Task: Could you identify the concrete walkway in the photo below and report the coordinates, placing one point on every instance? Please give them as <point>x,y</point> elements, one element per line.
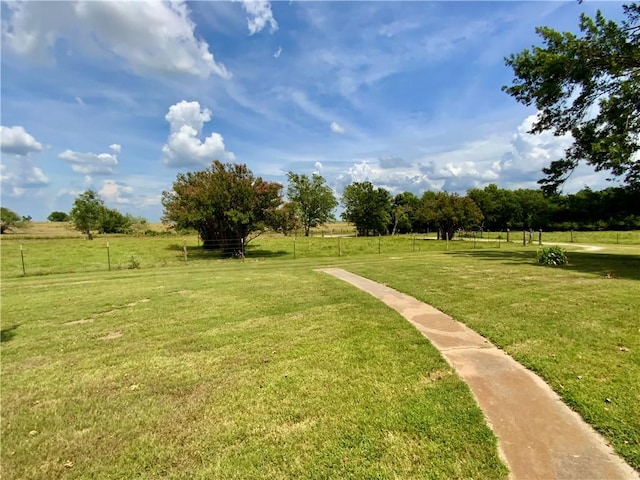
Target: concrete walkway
<point>539,437</point>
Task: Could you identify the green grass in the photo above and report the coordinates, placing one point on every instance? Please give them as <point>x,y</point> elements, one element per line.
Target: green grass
<point>244,370</point>
<point>70,255</point>
<point>577,325</point>
<point>596,237</point>
<point>201,382</point>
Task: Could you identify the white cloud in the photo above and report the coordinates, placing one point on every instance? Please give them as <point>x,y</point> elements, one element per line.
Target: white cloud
<point>115,192</point>
<point>395,180</point>
<point>184,146</point>
<point>278,52</point>
<point>337,128</point>
<point>35,178</point>
<point>528,153</point>
<point>90,163</point>
<point>318,166</point>
<point>17,141</point>
<point>67,192</point>
<point>115,147</point>
<point>259,15</point>
<point>25,177</point>
<point>149,36</point>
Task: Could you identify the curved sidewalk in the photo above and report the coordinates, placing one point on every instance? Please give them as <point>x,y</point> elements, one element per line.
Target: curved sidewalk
<point>539,437</point>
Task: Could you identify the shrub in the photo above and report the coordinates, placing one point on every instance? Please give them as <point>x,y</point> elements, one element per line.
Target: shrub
<point>552,256</point>
<point>132,262</point>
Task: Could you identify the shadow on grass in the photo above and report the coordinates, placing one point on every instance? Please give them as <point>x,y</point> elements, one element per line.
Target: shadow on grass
<point>260,253</point>
<point>607,265</point>
<point>8,333</point>
<point>199,253</point>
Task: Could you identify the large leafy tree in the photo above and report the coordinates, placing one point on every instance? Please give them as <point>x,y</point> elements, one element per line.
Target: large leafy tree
<point>314,199</point>
<point>58,217</point>
<point>587,85</point>
<point>87,212</point>
<point>368,208</point>
<point>449,212</point>
<point>225,204</point>
<point>403,212</point>
<point>534,208</point>
<point>8,219</point>
<point>500,207</point>
<point>285,219</point>
<point>112,221</point>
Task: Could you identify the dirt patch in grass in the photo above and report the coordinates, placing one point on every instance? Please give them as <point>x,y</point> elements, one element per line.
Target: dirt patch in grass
<point>79,322</point>
<point>111,336</point>
<point>133,304</point>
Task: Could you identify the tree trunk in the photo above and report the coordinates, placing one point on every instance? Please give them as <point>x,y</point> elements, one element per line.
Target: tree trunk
<point>228,246</point>
<point>208,244</point>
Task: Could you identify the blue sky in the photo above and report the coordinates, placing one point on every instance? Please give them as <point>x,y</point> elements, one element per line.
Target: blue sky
<point>121,96</point>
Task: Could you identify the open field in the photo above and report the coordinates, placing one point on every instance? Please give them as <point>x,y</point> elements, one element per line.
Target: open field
<point>227,368</point>
<point>254,370</point>
<point>629,237</point>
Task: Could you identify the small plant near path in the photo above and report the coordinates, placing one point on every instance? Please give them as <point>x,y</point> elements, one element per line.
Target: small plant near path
<point>573,326</point>
<point>553,256</point>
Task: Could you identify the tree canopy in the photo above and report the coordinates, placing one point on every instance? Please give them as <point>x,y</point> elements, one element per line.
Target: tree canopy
<point>8,219</point>
<point>368,208</point>
<point>587,85</point>
<point>90,214</point>
<point>403,212</point>
<point>86,212</point>
<point>449,212</point>
<point>225,204</point>
<point>58,217</point>
<point>314,199</point>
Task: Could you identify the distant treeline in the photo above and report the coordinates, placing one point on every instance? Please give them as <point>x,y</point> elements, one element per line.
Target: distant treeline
<point>614,208</point>
<point>610,209</point>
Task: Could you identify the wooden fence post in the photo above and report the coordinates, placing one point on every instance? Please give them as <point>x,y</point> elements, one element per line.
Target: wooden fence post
<point>24,272</point>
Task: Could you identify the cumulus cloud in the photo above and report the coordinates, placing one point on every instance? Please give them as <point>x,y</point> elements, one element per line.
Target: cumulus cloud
<point>148,36</point>
<point>21,179</point>
<point>17,141</point>
<point>184,146</point>
<point>259,14</point>
<point>90,163</point>
<point>115,192</point>
<point>336,128</point>
<point>460,176</point>
<point>115,147</point>
<point>277,52</point>
<point>528,153</point>
<point>397,180</point>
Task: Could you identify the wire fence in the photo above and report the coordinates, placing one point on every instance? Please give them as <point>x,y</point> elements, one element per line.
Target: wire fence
<point>41,256</point>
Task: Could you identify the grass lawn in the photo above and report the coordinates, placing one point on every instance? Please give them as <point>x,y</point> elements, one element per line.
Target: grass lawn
<point>264,368</point>
<point>576,326</point>
<point>261,369</point>
<point>631,237</point>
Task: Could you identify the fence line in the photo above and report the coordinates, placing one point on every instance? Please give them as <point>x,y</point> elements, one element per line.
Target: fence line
<point>26,257</point>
